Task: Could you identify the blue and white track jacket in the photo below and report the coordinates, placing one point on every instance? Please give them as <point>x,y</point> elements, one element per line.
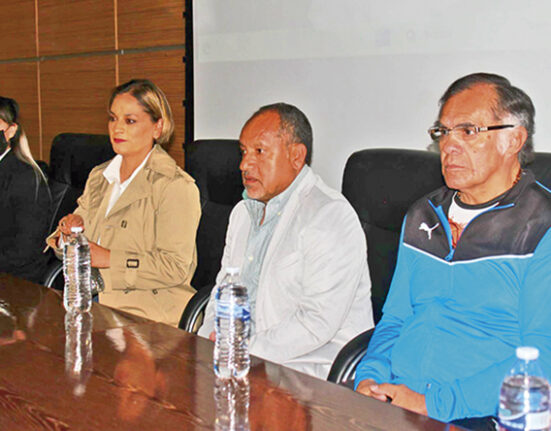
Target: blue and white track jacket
<point>453,318</point>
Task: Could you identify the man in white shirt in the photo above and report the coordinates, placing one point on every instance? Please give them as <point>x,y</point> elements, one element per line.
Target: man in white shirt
<point>300,247</point>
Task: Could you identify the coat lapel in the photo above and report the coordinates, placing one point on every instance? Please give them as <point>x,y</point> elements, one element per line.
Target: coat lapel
<point>282,228</point>
<point>138,189</point>
<point>100,213</point>
<point>99,187</point>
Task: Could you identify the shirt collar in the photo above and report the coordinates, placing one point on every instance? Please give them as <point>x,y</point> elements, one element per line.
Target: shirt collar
<point>275,205</point>
<point>112,172</point>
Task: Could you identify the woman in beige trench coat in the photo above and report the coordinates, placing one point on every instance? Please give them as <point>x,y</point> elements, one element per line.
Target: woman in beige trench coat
<point>140,211</point>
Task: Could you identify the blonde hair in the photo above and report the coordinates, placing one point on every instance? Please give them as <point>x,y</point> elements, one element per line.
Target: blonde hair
<point>152,100</point>
<point>9,113</point>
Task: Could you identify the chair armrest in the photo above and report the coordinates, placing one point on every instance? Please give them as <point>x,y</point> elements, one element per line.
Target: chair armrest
<point>51,278</point>
<point>194,308</point>
<point>344,365</point>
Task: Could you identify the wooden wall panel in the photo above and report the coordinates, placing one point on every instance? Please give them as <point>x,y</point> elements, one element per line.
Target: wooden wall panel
<point>75,94</point>
<point>18,81</point>
<point>75,26</point>
<point>167,70</point>
<point>60,58</point>
<point>18,35</point>
<point>145,23</point>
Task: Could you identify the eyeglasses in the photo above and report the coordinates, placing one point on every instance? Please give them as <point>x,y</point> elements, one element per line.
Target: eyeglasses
<point>465,132</point>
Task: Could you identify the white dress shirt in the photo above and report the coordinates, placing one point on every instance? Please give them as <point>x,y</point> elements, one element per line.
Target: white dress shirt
<point>112,174</point>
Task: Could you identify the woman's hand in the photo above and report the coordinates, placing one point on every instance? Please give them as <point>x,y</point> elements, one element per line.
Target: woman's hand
<point>68,222</point>
<point>100,257</point>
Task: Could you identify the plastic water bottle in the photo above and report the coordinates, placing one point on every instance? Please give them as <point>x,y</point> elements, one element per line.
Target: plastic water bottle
<point>77,294</point>
<point>232,326</point>
<point>231,397</point>
<point>78,349</point>
<point>524,396</point>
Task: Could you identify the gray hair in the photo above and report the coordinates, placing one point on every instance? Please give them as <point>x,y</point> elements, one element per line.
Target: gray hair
<point>510,100</point>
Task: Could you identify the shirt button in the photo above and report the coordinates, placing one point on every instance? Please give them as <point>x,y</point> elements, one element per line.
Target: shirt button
<point>250,258</point>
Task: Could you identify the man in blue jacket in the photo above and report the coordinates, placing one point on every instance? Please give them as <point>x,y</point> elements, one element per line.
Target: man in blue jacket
<point>473,276</point>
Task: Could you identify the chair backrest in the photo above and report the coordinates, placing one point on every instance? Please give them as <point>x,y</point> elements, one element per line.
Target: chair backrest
<point>214,164</point>
<point>72,157</point>
<point>381,184</point>
<point>541,167</point>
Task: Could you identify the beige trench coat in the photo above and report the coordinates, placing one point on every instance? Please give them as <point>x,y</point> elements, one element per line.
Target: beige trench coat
<point>151,233</point>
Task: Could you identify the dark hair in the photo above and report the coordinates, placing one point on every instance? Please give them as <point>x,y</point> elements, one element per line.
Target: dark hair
<point>294,122</point>
<point>9,113</point>
<point>510,100</point>
<point>152,100</point>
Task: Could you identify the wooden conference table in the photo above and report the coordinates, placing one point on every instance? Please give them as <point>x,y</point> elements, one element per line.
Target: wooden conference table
<point>129,373</point>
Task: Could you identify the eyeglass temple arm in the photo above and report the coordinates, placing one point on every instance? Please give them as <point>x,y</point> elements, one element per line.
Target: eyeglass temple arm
<point>501,126</point>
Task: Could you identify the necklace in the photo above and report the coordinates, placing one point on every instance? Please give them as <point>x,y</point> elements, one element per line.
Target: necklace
<point>517,179</point>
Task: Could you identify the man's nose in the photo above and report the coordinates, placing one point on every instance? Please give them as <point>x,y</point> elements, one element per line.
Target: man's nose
<point>450,144</point>
<point>245,162</point>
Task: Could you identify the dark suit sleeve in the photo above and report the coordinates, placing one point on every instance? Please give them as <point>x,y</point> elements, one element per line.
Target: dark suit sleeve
<point>30,205</point>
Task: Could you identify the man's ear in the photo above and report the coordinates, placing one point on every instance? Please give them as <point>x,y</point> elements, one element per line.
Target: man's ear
<point>298,155</point>
<point>518,138</point>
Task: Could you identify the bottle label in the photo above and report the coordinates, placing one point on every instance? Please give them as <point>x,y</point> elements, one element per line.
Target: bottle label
<point>245,314</point>
<point>529,421</point>
<point>238,311</point>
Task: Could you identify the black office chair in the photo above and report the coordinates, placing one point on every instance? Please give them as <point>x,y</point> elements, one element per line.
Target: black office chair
<point>381,184</point>
<point>214,164</point>
<point>344,366</point>
<point>72,157</point>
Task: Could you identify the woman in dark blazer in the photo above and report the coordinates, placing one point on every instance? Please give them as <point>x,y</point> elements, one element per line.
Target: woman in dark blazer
<point>24,200</point>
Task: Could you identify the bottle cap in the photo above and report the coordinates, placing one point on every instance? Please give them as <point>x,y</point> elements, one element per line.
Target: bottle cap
<point>527,353</point>
<point>232,270</point>
<point>76,229</point>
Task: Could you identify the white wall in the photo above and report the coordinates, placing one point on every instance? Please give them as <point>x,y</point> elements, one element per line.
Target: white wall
<point>367,73</point>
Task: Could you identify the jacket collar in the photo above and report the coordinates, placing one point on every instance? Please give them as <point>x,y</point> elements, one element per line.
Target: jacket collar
<point>265,211</point>
<point>444,195</point>
<point>113,170</point>
<point>294,202</point>
<point>158,163</point>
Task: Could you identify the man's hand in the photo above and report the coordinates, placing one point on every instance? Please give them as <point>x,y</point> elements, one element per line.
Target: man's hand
<point>365,387</point>
<point>399,395</point>
<point>212,336</point>
<point>100,257</point>
<point>402,396</point>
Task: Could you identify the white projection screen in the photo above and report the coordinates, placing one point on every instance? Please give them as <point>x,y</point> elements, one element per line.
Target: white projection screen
<point>367,73</point>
